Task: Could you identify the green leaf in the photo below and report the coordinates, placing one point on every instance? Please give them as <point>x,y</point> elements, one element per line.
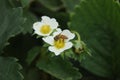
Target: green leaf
<point>29,20</point>
<point>59,68</point>
<point>10,23</point>
<point>26,3</point>
<point>9,69</point>
<point>32,54</point>
<point>13,3</point>
<point>33,74</point>
<point>70,4</point>
<point>53,5</point>
<point>97,21</point>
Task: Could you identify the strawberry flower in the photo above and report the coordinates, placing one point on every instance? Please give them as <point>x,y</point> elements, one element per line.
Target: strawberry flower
<point>59,41</point>
<point>45,27</point>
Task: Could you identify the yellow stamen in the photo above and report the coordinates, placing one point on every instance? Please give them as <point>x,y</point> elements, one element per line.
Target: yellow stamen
<point>59,43</point>
<point>45,29</point>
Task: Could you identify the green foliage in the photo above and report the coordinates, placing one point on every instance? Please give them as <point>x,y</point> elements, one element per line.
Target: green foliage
<point>32,54</point>
<point>61,69</point>
<point>13,3</point>
<point>29,20</point>
<point>97,21</point>
<point>76,55</point>
<point>70,4</point>
<point>33,74</point>
<point>53,5</point>
<point>9,69</point>
<point>26,3</point>
<point>10,23</point>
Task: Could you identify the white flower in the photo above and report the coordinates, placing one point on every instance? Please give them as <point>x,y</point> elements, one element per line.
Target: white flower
<point>60,41</point>
<point>45,26</point>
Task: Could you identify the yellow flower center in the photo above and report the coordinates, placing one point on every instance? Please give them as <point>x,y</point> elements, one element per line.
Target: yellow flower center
<point>45,29</point>
<point>60,43</point>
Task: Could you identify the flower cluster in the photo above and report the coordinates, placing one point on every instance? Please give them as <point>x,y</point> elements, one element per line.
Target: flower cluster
<point>59,40</point>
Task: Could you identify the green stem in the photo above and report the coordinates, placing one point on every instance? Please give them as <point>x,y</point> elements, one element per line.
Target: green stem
<point>78,35</point>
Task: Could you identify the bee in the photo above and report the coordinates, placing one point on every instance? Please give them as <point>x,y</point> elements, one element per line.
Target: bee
<point>60,36</point>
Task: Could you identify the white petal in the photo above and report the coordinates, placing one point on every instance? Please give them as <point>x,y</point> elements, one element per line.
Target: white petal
<point>53,19</point>
<point>57,32</point>
<point>53,23</point>
<point>55,50</point>
<point>49,40</point>
<point>37,25</point>
<point>41,34</point>
<point>45,19</point>
<point>38,33</point>
<point>68,45</point>
<point>68,34</point>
